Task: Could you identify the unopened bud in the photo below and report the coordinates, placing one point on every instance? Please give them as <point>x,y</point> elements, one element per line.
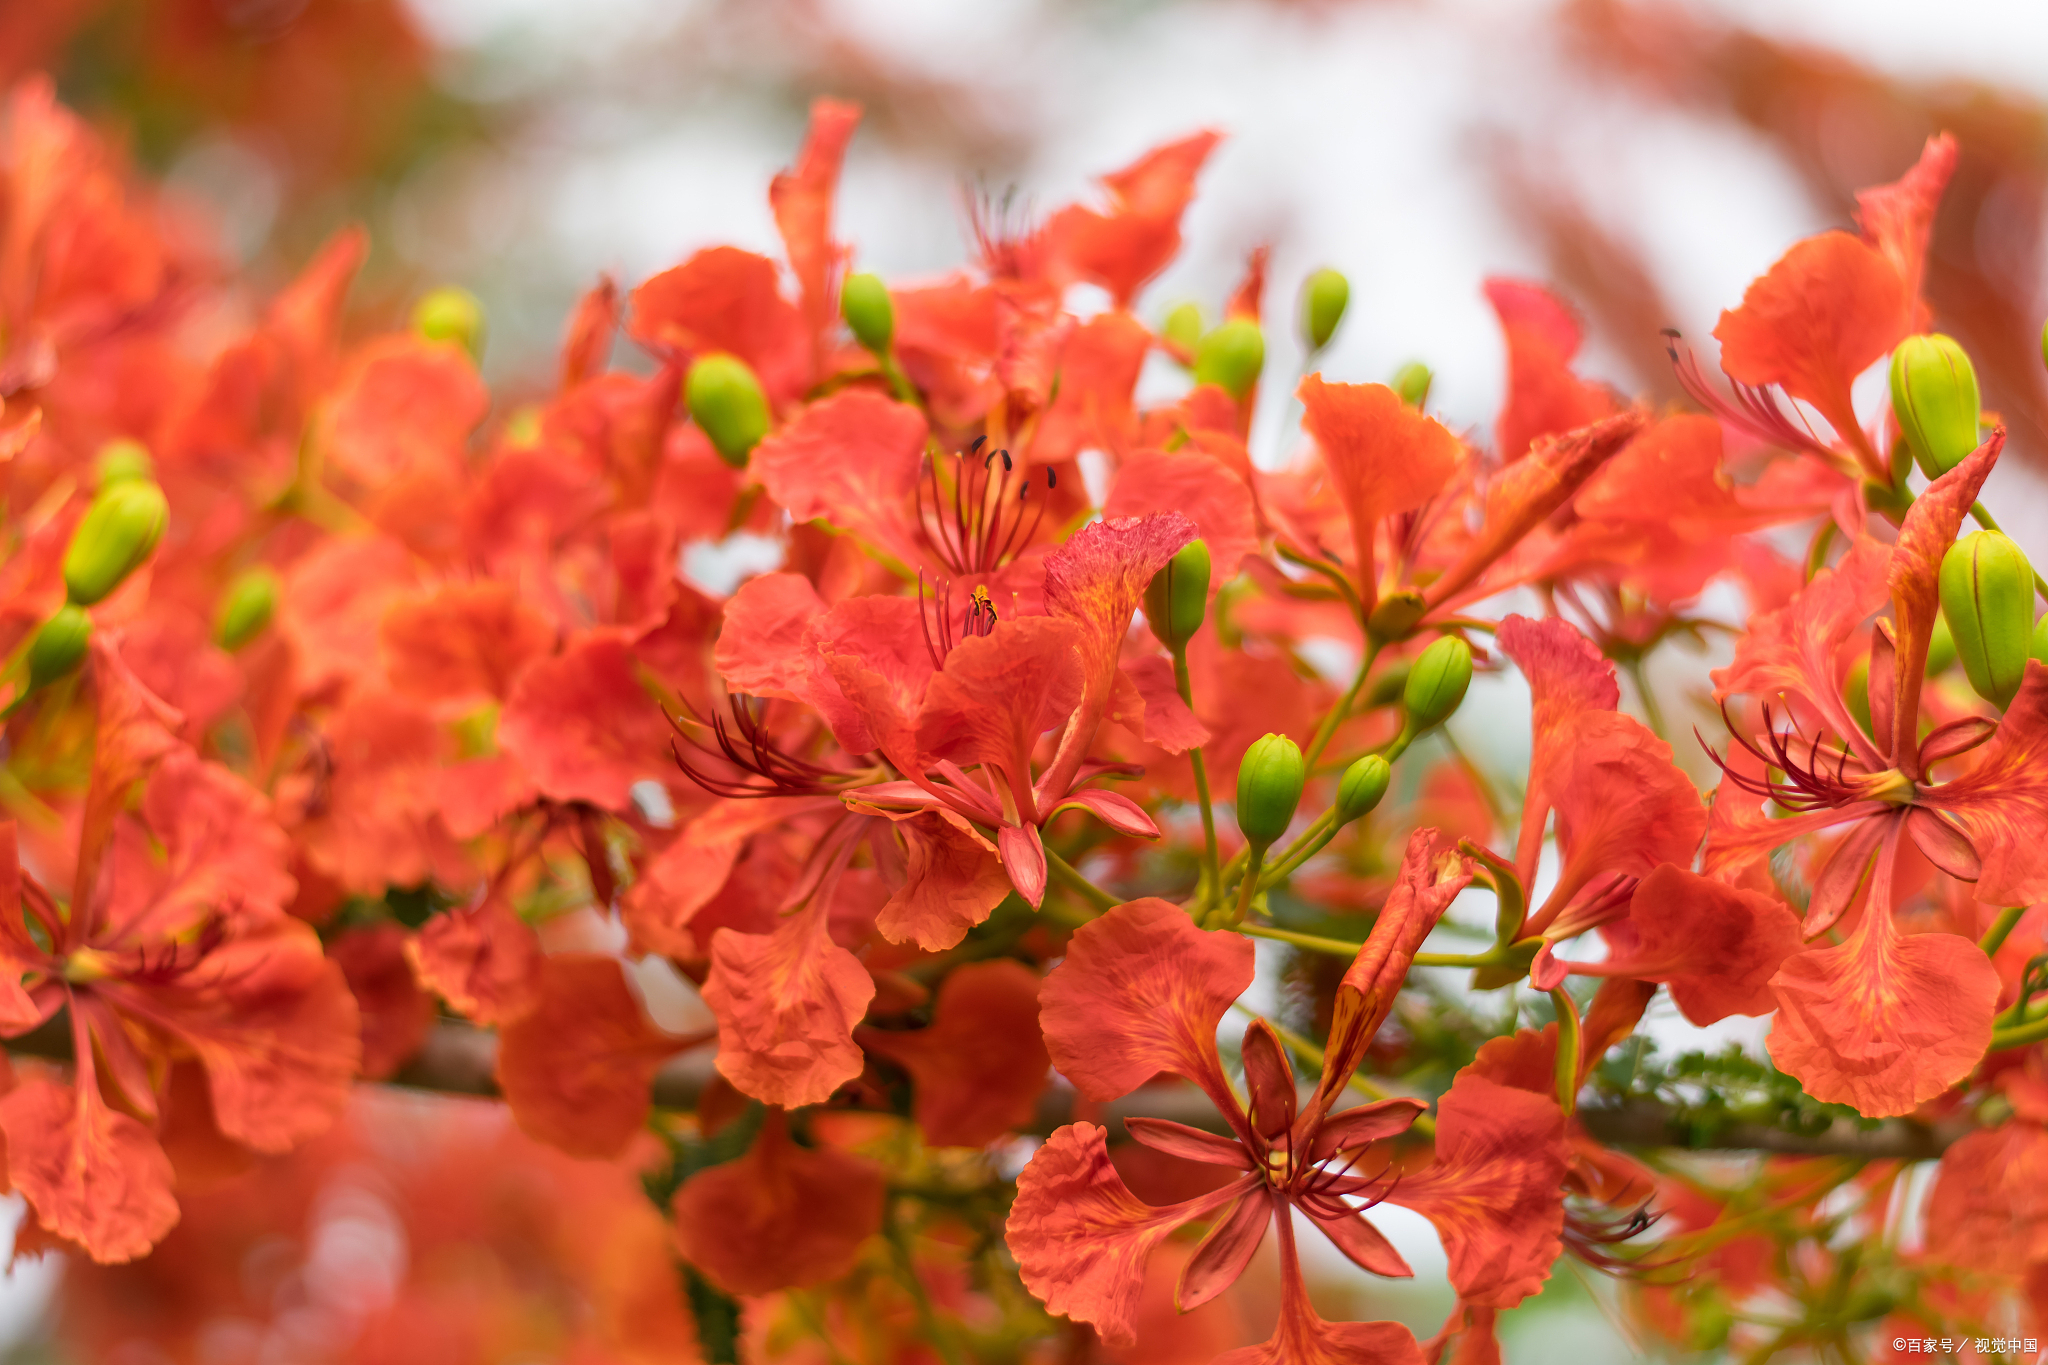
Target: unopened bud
<point>1177,598</point>
<point>726,401</point>
<point>1269,781</point>
<point>1360,789</point>
<point>1987,596</point>
<point>2040,650</point>
<point>1231,357</point>
<point>1934,398</point>
<point>1395,616</point>
<point>113,538</point>
<point>451,313</point>
<point>1437,683</point>
<point>1182,328</point>
<point>870,316</point>
<point>246,608</point>
<point>1323,297</point>
<point>123,459</point>
<point>59,645</point>
<point>1412,382</point>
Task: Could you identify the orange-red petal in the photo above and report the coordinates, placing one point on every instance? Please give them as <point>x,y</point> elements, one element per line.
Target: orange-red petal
<point>780,1217</point>
<point>1141,991</point>
<point>1496,1189</point>
<point>578,1067</point>
<point>980,1065</point>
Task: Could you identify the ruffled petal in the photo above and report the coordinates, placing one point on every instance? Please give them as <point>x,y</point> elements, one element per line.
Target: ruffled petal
<point>1132,240</point>
<point>462,642</point>
<point>1496,1189</point>
<point>851,460</point>
<point>483,960</point>
<point>577,1069</point>
<point>1716,946</point>
<point>583,725</point>
<point>780,1217</point>
<point>952,882</point>
<point>1141,991</point>
<point>91,1174</point>
<point>1898,219</point>
<point>786,1004</point>
<point>1883,1022</point>
<point>1817,319</point>
<point>980,1066</point>
<point>1544,396</point>
<point>1384,457</point>
<point>1081,1238</point>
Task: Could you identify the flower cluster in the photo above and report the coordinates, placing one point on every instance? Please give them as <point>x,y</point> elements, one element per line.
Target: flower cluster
<point>902,893</point>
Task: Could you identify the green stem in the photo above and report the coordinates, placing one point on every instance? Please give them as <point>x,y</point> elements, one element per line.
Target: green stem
<point>1201,770</point>
<point>2001,929</point>
<point>1328,729</point>
<point>2019,1035</point>
<point>1065,874</point>
<point>1301,850</point>
<point>1249,887</point>
<point>1337,947</point>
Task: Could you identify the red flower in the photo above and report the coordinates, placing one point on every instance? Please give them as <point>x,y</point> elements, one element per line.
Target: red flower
<point>1882,1021</point>
<point>1141,991</point>
<point>174,944</point>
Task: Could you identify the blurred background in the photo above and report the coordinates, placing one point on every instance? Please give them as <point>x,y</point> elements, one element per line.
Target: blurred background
<point>1645,159</point>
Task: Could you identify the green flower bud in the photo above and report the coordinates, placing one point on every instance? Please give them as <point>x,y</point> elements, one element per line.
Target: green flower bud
<point>1395,616</point>
<point>246,608</point>
<point>1987,596</point>
<point>1941,647</point>
<point>59,646</point>
<point>1361,787</point>
<point>1437,683</point>
<point>726,400</point>
<point>1856,692</point>
<point>1412,382</point>
<point>451,313</point>
<point>2040,649</point>
<point>1269,781</point>
<point>113,538</point>
<point>1934,398</point>
<point>1183,327</point>
<point>1231,357</point>
<point>1323,296</point>
<point>864,303</point>
<point>123,459</point>
<point>1177,598</point>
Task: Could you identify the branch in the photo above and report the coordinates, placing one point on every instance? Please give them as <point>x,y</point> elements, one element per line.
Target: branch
<point>460,1059</point>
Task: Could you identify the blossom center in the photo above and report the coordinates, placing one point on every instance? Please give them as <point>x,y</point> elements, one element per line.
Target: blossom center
<point>86,966</point>
<point>1892,787</point>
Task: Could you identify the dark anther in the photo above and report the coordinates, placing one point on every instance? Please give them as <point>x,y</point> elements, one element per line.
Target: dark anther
<point>1052,478</point>
<point>764,769</point>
